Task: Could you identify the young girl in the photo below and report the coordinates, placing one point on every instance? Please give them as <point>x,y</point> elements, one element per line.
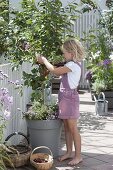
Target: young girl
<point>68,97</point>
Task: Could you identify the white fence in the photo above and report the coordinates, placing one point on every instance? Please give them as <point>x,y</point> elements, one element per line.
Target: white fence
<point>83,24</point>
<point>16,123</point>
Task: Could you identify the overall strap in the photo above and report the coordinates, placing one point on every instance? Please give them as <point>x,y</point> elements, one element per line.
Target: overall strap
<point>78,64</point>
<point>81,69</point>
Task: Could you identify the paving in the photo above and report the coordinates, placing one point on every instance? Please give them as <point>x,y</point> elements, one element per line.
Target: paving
<point>97,139</point>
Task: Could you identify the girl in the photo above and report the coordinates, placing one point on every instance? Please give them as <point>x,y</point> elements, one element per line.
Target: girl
<point>68,98</point>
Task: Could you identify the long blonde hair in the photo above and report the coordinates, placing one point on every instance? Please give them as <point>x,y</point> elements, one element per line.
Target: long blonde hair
<point>74,46</point>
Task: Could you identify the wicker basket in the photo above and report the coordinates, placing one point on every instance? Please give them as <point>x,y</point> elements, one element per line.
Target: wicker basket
<point>22,155</point>
<point>44,165</point>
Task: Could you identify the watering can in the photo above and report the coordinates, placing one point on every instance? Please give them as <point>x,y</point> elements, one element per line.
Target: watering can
<point>101,105</point>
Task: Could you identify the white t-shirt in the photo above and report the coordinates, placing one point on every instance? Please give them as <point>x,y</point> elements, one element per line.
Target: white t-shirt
<point>74,76</point>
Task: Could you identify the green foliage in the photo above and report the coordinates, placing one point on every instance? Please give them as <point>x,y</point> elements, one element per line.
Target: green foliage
<point>4,19</point>
<point>42,25</point>
<point>109,3</point>
<point>4,157</point>
<point>38,79</point>
<point>103,75</point>
<point>107,21</point>
<point>2,126</point>
<point>34,79</point>
<point>99,52</point>
<point>99,45</point>
<point>39,111</point>
<point>89,5</point>
<point>39,28</point>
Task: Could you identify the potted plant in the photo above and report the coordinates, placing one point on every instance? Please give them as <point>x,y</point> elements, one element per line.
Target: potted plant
<point>44,127</point>
<point>100,57</point>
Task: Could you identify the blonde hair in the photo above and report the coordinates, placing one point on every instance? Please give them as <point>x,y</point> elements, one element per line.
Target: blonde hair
<point>75,47</point>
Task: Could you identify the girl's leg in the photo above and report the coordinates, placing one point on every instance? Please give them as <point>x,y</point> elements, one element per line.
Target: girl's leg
<point>72,124</point>
<point>69,143</point>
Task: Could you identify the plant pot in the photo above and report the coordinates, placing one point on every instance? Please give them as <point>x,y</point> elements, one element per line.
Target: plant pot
<point>109,98</point>
<point>45,133</point>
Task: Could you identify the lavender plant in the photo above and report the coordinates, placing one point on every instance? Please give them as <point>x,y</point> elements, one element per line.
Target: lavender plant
<point>39,111</point>
<point>6,102</point>
<point>103,75</point>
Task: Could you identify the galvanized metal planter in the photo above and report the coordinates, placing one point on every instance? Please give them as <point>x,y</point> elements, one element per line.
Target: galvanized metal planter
<point>109,98</point>
<point>46,133</point>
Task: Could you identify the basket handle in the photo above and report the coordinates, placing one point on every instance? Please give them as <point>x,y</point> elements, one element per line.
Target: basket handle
<point>43,148</point>
<point>17,133</point>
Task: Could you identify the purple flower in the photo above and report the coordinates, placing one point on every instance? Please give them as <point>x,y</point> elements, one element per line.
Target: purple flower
<point>5,99</point>
<point>16,83</point>
<point>3,91</point>
<point>107,62</point>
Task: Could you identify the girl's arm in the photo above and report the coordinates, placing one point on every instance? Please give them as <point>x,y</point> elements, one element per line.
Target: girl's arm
<point>57,71</point>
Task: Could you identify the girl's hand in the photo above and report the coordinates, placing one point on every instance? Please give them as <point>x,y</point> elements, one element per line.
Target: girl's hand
<point>40,59</point>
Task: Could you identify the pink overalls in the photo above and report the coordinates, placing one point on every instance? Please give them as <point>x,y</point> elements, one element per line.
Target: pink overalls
<point>68,100</point>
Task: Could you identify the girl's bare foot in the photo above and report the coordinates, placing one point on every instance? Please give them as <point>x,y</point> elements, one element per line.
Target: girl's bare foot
<point>64,157</point>
<point>75,161</point>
